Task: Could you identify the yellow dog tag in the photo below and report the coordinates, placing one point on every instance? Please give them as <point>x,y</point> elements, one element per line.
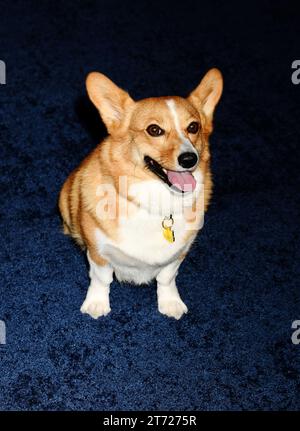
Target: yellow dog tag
<point>168,233</point>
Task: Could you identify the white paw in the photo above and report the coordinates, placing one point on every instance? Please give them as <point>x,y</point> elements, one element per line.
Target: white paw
<point>95,307</point>
<point>172,307</point>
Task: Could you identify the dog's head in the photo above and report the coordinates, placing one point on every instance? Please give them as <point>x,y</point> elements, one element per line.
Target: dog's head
<point>168,135</point>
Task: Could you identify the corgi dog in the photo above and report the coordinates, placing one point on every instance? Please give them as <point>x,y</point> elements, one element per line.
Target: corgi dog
<point>136,202</point>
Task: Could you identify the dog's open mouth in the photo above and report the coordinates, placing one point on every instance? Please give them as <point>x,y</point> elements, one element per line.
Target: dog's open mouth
<point>181,181</point>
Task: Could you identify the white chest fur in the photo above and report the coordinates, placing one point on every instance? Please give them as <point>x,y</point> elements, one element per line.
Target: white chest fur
<point>141,249</point>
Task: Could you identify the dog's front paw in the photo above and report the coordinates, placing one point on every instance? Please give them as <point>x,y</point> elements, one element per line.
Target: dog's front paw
<point>172,307</point>
<point>95,307</point>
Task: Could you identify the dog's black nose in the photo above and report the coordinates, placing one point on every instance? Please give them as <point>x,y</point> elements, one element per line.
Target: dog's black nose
<point>187,160</point>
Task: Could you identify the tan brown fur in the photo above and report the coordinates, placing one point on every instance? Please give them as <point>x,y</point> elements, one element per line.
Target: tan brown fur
<point>121,153</point>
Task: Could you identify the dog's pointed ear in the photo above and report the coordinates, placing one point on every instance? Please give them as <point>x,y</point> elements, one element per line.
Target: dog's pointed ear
<point>111,101</point>
<point>206,96</point>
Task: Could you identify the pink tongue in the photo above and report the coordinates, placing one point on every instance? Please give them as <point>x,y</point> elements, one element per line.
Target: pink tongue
<point>184,181</point>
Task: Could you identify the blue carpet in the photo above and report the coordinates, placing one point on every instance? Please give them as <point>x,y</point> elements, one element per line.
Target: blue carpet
<point>233,349</point>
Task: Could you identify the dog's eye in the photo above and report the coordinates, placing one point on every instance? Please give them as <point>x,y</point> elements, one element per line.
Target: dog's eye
<point>193,127</point>
<point>155,130</point>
